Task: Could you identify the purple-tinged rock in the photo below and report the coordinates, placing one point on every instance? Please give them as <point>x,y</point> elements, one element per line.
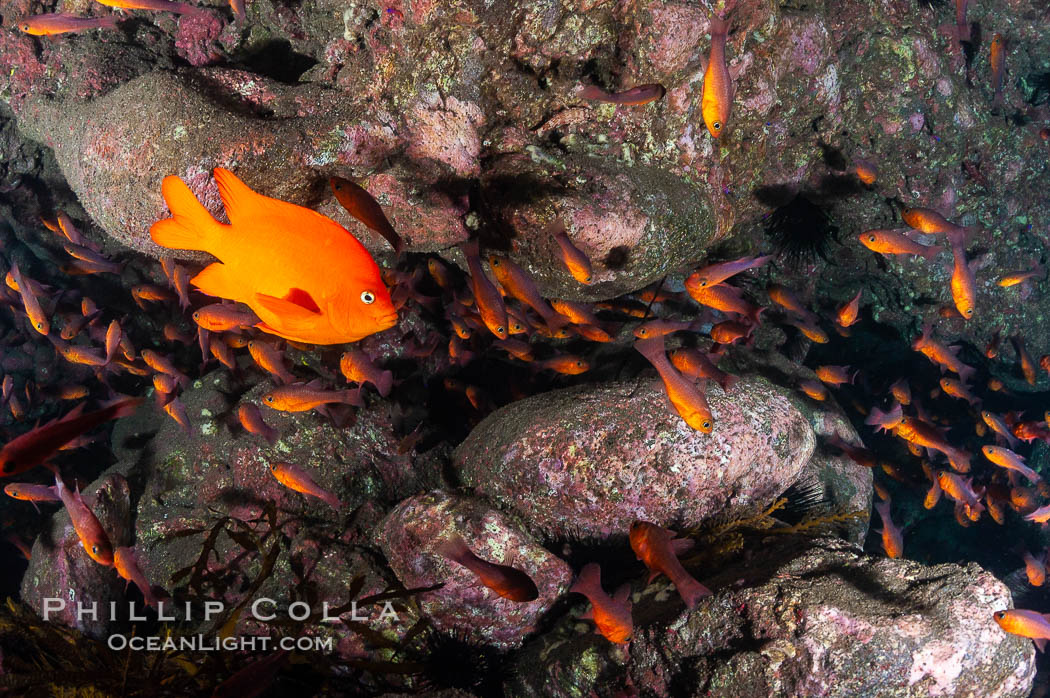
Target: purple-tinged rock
<point>588,461</point>
<point>60,568</point>
<point>635,223</point>
<point>810,617</point>
<point>417,527</point>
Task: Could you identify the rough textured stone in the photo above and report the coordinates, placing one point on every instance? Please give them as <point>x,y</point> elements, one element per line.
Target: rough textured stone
<point>588,461</point>
<point>60,568</point>
<point>464,606</point>
<point>801,618</point>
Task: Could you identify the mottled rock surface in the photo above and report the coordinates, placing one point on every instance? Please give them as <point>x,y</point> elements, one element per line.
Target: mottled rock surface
<point>807,618</point>
<point>60,568</point>
<point>590,460</point>
<point>417,526</point>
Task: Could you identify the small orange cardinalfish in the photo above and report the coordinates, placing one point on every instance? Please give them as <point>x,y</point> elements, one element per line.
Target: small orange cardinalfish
<point>999,427</point>
<point>490,303</point>
<point>717,273</point>
<point>927,220</point>
<point>269,359</point>
<point>635,96</point>
<point>658,549</point>
<point>357,367</point>
<point>566,364</point>
<point>518,284</point>
<point>728,332</point>
<point>268,261</point>
<point>884,421</point>
<point>695,364</point>
<point>847,313</point>
<point>252,421</point>
<point>943,356</point>
<point>892,540</point>
<point>611,614</point>
<point>35,447</point>
<point>718,85</point>
<point>727,299</point>
<point>687,400</point>
<point>27,492</point>
<point>509,582</point>
<point>887,242</point>
<point>1019,277</point>
<point>1035,568</point>
<point>1027,365</point>
<point>154,5</point>
<point>87,526</point>
<point>220,317</point>
<point>578,264</point>
<point>866,171</point>
<point>813,389</point>
<point>997,60</point>
<point>963,284</point>
<point>35,312</point>
<point>363,206</point>
<point>125,561</point>
<point>295,478</point>
<point>61,23</point>
<point>1030,624</point>
<point>300,398</point>
<point>835,375</point>
<point>1005,458</point>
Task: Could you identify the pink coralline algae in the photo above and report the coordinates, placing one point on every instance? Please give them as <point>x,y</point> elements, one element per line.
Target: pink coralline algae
<point>197,36</point>
<point>589,461</point>
<point>417,526</point>
<point>446,131</point>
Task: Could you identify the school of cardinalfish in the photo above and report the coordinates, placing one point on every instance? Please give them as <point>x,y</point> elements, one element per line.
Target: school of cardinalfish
<point>264,281</point>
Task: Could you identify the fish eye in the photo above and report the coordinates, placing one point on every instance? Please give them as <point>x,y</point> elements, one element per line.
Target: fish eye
<point>587,280</point>
<point>969,312</point>
<point>703,283</point>
<point>501,330</point>
<point>706,424</point>
<point>717,125</point>
<point>40,325</point>
<point>494,261</point>
<point>94,549</point>
<point>643,333</point>
<point>368,298</point>
<point>871,238</point>
<point>268,398</point>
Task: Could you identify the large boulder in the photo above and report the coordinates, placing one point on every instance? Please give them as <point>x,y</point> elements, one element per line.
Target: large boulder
<point>588,461</point>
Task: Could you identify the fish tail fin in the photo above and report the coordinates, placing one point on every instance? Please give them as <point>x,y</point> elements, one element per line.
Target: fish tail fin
<point>556,321</point>
<point>352,396</point>
<point>719,27</point>
<point>754,315</point>
<point>652,348</point>
<point>691,590</point>
<point>470,248</point>
<point>590,92</point>
<point>386,382</point>
<point>932,251</point>
<point>191,226</point>
<point>589,581</point>
<point>453,548</point>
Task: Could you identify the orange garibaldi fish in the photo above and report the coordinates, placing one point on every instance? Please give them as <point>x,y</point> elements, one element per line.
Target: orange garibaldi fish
<point>305,276</point>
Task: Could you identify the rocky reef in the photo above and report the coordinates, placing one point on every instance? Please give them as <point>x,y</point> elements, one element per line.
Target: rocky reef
<point>470,121</point>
